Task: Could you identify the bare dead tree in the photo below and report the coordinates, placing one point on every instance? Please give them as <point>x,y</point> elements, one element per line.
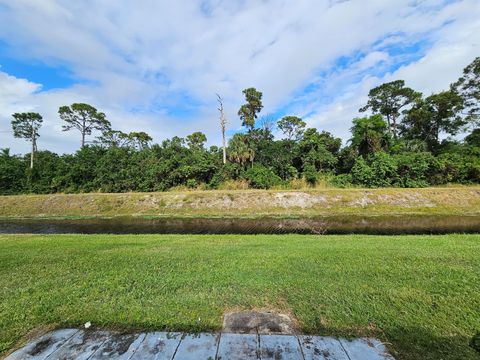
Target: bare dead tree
<point>223,123</point>
<point>268,123</point>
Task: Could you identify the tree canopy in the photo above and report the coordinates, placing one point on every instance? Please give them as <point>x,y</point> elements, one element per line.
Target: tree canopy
<point>26,126</point>
<point>390,100</point>
<point>409,141</point>
<point>249,111</point>
<point>84,118</point>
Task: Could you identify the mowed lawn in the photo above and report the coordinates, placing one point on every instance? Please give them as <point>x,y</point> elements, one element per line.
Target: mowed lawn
<point>420,294</point>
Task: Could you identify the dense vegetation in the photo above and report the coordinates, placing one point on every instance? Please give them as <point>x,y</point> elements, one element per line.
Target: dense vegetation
<point>420,294</point>
<point>409,140</point>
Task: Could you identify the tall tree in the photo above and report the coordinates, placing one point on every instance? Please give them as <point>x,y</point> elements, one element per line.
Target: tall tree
<point>113,138</point>
<point>437,114</point>
<point>83,117</point>
<point>389,100</point>
<point>468,87</point>
<point>26,126</point>
<point>249,111</point>
<point>370,135</point>
<point>223,124</point>
<point>139,139</point>
<point>268,123</point>
<point>292,127</point>
<point>196,140</point>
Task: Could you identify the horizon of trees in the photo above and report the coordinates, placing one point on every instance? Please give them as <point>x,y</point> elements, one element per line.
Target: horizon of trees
<point>407,141</point>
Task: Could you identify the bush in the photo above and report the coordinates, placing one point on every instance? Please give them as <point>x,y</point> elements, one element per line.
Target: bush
<point>310,174</point>
<point>413,169</point>
<point>260,177</point>
<point>341,181</point>
<point>380,170</point>
<point>361,172</point>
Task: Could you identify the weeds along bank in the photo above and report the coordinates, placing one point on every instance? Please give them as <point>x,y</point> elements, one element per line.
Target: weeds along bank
<point>249,203</point>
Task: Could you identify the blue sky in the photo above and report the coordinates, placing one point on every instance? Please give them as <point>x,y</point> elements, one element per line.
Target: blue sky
<point>155,66</point>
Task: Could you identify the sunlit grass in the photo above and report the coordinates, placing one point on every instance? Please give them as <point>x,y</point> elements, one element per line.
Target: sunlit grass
<point>421,294</point>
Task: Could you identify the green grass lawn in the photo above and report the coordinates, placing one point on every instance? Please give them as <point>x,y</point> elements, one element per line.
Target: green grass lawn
<point>421,294</point>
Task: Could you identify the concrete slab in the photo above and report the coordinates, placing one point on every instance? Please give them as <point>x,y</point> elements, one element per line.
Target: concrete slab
<point>322,348</point>
<point>118,346</point>
<point>80,346</point>
<point>279,347</point>
<point>45,345</point>
<point>261,322</point>
<point>238,347</point>
<point>365,349</point>
<point>158,346</point>
<point>198,346</point>
<point>95,345</point>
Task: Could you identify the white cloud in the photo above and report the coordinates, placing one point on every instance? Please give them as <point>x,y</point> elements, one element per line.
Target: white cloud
<point>141,60</point>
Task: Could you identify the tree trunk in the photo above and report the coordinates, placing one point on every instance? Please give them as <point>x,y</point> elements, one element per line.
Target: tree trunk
<point>33,151</point>
<point>223,122</point>
<point>33,145</point>
<point>83,133</point>
<point>224,148</point>
<point>394,127</point>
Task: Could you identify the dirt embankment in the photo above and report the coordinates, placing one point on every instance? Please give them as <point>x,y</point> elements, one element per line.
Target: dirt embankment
<point>250,203</point>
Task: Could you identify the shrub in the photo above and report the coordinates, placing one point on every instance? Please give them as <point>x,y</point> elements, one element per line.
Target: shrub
<point>361,172</point>
<point>310,174</point>
<point>341,181</point>
<point>379,170</point>
<point>261,177</point>
<point>413,169</point>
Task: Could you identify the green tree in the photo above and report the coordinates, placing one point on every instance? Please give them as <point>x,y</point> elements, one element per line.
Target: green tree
<point>292,127</point>
<point>370,135</point>
<point>239,149</point>
<point>437,114</point>
<point>468,87</point>
<point>196,140</point>
<point>139,139</point>
<point>389,100</point>
<point>113,138</point>
<point>249,111</point>
<point>318,151</point>
<point>26,126</point>
<point>83,117</point>
<point>473,139</point>
<point>12,173</point>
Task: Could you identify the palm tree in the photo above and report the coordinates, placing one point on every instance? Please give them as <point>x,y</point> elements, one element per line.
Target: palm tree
<point>240,151</point>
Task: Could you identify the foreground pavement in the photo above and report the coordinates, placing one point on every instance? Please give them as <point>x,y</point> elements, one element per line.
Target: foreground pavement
<point>95,345</point>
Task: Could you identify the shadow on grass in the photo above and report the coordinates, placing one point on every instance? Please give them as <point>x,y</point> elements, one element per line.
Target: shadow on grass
<point>419,343</point>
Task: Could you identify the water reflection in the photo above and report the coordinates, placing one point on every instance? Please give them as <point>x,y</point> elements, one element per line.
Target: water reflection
<point>323,225</point>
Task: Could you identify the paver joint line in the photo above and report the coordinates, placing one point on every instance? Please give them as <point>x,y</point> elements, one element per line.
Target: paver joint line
<point>141,342</point>
<point>101,344</point>
<point>301,347</point>
<point>346,352</point>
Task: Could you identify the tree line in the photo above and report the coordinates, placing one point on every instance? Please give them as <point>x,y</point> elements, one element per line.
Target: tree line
<point>407,140</point>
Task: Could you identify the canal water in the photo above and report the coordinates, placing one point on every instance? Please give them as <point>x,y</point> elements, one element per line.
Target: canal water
<point>388,225</point>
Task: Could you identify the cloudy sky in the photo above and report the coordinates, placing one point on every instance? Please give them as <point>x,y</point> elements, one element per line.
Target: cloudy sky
<point>155,66</point>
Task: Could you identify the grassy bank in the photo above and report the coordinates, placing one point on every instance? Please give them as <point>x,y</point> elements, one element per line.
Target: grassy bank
<point>421,294</point>
<point>249,203</point>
